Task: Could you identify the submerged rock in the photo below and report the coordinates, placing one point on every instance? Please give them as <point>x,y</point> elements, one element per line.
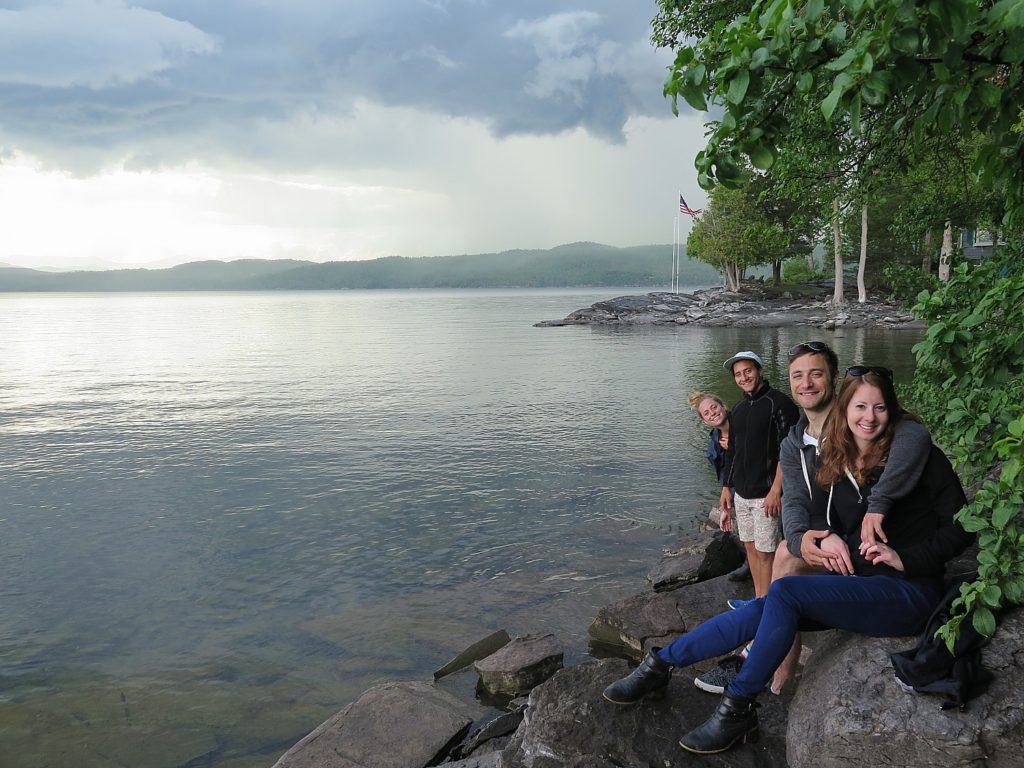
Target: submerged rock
<point>479,650</point>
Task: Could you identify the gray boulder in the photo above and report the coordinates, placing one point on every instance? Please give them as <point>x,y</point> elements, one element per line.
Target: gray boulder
<point>520,665</point>
<point>849,711</point>
<point>490,760</point>
<point>707,556</point>
<point>395,725</point>
<point>635,625</point>
<point>569,725</point>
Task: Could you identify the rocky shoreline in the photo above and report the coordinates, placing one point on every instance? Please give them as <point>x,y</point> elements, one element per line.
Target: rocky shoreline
<point>755,306</point>
<point>844,709</point>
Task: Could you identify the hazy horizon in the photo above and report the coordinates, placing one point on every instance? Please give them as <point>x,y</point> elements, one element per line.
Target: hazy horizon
<point>104,266</point>
<point>148,135</point>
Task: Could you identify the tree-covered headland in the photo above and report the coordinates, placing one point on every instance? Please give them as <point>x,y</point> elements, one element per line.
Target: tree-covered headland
<point>880,127</point>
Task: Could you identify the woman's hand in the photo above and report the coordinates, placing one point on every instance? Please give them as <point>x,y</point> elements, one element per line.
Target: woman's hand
<point>871,531</point>
<point>879,553</point>
<point>837,558</point>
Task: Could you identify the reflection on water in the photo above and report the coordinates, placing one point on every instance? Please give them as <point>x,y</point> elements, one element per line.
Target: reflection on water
<point>227,515</point>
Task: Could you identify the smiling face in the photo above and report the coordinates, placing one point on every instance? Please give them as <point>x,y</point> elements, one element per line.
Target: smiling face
<point>810,380</point>
<point>867,415</point>
<point>712,412</point>
<point>747,376</point>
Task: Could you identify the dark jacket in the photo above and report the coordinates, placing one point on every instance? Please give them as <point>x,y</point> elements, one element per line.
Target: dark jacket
<point>908,455</point>
<point>716,454</point>
<point>758,424</point>
<point>920,526</point>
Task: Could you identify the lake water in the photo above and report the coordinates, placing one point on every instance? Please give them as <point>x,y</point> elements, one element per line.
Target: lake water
<point>226,515</point>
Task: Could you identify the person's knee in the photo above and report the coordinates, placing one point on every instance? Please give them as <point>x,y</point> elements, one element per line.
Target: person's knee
<point>785,563</point>
<point>783,588</point>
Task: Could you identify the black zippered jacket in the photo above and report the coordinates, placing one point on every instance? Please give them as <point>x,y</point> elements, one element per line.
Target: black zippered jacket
<point>758,425</point>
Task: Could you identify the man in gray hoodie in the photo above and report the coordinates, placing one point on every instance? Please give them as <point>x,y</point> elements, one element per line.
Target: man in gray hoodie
<point>813,375</point>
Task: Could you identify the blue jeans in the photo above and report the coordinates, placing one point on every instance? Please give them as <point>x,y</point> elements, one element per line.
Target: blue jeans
<point>878,606</point>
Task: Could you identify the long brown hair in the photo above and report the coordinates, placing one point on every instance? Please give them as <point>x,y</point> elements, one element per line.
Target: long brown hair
<point>839,451</point>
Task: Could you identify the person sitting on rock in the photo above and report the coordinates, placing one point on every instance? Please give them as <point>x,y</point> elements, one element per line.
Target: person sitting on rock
<point>891,590</point>
<point>715,413</point>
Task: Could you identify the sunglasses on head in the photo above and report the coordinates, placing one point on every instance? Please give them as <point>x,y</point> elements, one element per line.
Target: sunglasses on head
<point>807,346</point>
<point>860,370</point>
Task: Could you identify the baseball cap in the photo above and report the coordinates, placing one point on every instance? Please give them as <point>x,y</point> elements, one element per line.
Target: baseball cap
<point>748,355</point>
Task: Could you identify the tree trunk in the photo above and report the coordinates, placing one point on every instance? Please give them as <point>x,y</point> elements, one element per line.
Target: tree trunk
<point>777,272</point>
<point>926,260</point>
<point>809,257</point>
<point>837,243</point>
<point>946,253</point>
<point>862,292</point>
<point>732,281</point>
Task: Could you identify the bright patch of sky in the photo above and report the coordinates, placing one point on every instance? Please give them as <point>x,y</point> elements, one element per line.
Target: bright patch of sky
<point>154,133</point>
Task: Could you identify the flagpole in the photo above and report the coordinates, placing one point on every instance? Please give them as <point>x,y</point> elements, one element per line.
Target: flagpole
<point>679,237</point>
<point>675,252</point>
<point>675,249</point>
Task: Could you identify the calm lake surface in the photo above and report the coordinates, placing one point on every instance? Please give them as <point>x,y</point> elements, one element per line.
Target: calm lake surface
<point>224,516</point>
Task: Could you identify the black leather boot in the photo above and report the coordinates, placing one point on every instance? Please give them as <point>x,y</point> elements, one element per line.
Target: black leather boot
<point>651,677</point>
<point>734,720</point>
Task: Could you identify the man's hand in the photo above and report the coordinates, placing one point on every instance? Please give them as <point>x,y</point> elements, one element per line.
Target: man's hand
<point>726,500</point>
<point>884,554</point>
<point>837,557</point>
<point>773,502</point>
<point>811,553</point>
<point>725,520</point>
<point>871,531</point>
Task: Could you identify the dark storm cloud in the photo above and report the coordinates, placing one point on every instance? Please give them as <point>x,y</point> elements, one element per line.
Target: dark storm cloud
<point>83,79</point>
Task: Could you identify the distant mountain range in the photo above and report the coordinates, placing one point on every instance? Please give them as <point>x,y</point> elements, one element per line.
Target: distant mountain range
<point>566,266</point>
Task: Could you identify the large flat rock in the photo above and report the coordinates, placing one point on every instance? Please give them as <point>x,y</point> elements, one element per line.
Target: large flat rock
<point>568,724</point>
<point>849,711</point>
<point>648,620</point>
<point>395,725</point>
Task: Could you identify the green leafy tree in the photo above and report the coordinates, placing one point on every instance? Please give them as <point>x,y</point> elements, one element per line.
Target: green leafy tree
<point>969,386</point>
<point>909,72</point>
<point>733,234</point>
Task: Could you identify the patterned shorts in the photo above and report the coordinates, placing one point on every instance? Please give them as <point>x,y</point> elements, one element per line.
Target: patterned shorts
<point>752,524</point>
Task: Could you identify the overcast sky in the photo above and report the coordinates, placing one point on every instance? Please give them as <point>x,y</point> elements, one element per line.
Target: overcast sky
<point>153,133</point>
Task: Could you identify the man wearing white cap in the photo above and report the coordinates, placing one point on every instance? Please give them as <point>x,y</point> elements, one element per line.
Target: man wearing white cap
<point>760,422</point>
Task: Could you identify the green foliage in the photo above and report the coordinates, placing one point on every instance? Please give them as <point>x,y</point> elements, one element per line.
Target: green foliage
<point>906,283</point>
<point>969,387</point>
<point>734,234</point>
<point>899,72</point>
<point>796,270</point>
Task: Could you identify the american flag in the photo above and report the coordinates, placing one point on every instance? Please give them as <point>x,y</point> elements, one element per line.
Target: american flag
<point>684,208</point>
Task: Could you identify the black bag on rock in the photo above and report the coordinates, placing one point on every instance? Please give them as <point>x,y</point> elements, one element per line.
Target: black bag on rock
<point>929,667</point>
